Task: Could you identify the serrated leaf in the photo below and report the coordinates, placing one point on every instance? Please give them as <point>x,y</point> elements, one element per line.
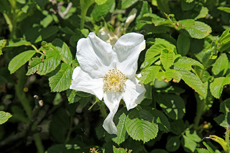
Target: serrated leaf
<point>149,74</point>
<point>44,66</point>
<point>167,58</point>
<point>221,65</point>
<point>199,30</point>
<point>193,81</point>
<point>224,40</point>
<point>121,131</point>
<point>216,87</point>
<point>183,44</point>
<point>101,10</point>
<point>161,120</point>
<point>62,80</point>
<point>187,63</point>
<point>173,143</point>
<point>173,74</point>
<point>139,125</point>
<point>172,105</point>
<point>64,50</point>
<point>189,144</point>
<point>4,116</point>
<point>127,3</point>
<point>20,60</point>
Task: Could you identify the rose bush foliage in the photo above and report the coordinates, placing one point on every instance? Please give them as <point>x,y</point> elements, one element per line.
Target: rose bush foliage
<point>174,53</point>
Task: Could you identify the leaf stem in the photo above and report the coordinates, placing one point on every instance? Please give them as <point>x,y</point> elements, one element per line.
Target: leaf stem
<point>35,48</point>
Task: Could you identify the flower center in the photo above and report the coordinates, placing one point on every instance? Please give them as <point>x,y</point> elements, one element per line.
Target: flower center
<point>114,80</point>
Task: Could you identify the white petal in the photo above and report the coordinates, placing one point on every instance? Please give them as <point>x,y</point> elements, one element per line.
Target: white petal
<point>94,55</point>
<point>133,94</point>
<point>112,100</point>
<point>82,81</point>
<point>128,48</point>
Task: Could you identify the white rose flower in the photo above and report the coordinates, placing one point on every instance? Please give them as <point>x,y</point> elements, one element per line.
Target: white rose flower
<point>109,72</point>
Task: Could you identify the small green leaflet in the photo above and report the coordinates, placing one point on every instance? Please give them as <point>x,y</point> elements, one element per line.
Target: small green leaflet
<point>225,9</point>
<point>161,120</point>
<point>43,66</point>
<point>189,145</point>
<point>173,143</point>
<point>62,80</point>
<point>216,87</point>
<point>183,44</point>
<point>20,60</point>
<point>224,41</point>
<point>193,81</point>
<point>127,3</point>
<point>149,74</point>
<point>2,45</point>
<point>121,131</point>
<point>221,65</point>
<point>4,116</point>
<point>187,63</point>
<point>167,58</point>
<point>139,125</point>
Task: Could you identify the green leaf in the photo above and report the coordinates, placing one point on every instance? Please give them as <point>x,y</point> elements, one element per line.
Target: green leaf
<point>225,9</point>
<point>139,125</point>
<point>186,23</point>
<point>62,80</point>
<point>127,3</point>
<point>208,147</point>
<point>2,45</point>
<point>161,120</point>
<point>72,96</point>
<point>203,13</point>
<point>191,134</point>
<point>43,66</point>
<point>4,116</point>
<point>187,5</point>
<point>172,105</point>
<point>121,131</point>
<point>167,58</point>
<point>64,50</point>
<point>149,74</point>
<point>173,74</point>
<point>100,2</point>
<point>189,145</point>
<point>177,126</point>
<point>216,87</point>
<point>221,65</point>
<point>173,143</point>
<point>101,10</point>
<point>199,30</point>
<point>202,150</point>
<point>224,41</point>
<point>20,60</point>
<point>46,33</point>
<point>193,81</point>
<point>187,63</point>
<point>163,5</point>
<point>118,150</point>
<point>183,44</point>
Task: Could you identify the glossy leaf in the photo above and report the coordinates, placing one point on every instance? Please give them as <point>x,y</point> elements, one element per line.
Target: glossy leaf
<point>149,74</point>
<point>62,80</point>
<point>172,105</point>
<point>43,66</point>
<point>221,65</point>
<point>193,81</point>
<point>4,116</point>
<point>167,58</point>
<point>121,131</point>
<point>216,87</point>
<point>139,125</point>
<point>20,60</point>
<point>127,3</point>
<point>183,44</point>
